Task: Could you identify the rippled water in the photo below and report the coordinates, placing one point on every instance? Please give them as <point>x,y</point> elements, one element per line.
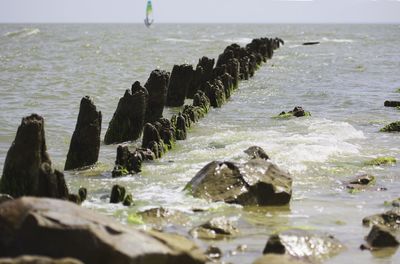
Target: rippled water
<point>343,82</point>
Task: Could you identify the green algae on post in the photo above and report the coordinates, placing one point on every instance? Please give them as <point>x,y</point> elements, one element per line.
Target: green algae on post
<point>381,161</point>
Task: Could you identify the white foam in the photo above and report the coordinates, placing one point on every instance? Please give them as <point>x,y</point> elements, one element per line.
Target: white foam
<point>23,32</point>
<point>239,40</point>
<point>325,39</point>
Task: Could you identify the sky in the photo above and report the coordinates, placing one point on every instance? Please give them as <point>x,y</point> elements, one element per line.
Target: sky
<point>201,11</point>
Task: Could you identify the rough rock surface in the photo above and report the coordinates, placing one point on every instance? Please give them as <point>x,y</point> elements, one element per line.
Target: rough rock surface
<point>392,127</point>
<point>181,78</point>
<point>392,103</point>
<point>216,228</point>
<point>303,244</point>
<point>27,168</point>
<point>390,219</point>
<point>157,86</point>
<point>380,237</point>
<point>256,182</point>
<point>256,152</point>
<point>128,119</point>
<point>67,230</point>
<point>85,142</point>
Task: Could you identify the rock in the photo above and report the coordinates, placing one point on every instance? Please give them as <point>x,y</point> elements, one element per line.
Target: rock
<point>203,73</point>
<point>128,200</point>
<point>216,93</point>
<point>117,194</point>
<point>166,131</point>
<point>193,112</point>
<point>380,237</point>
<point>82,193</point>
<point>279,259</point>
<point>244,68</point>
<point>381,161</point>
<point>311,43</point>
<point>227,81</point>
<point>303,244</point>
<point>161,216</point>
<point>298,111</point>
<point>152,140</point>
<point>128,119</point>
<point>392,103</point>
<point>127,162</point>
<point>213,253</point>
<point>180,128</point>
<point>38,260</point>
<point>256,152</point>
<point>200,99</point>
<point>256,182</point>
<point>361,182</point>
<point>157,86</point>
<point>67,230</point>
<point>181,79</point>
<point>85,143</point>
<point>216,228</point>
<point>5,198</point>
<point>27,168</point>
<point>390,219</point>
<point>392,127</point>
<point>74,198</point>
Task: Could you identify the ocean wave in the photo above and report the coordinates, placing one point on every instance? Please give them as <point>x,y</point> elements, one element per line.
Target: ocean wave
<point>239,40</point>
<point>325,39</point>
<point>23,32</point>
<point>177,40</point>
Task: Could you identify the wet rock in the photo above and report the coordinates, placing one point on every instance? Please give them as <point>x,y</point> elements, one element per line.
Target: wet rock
<point>152,140</point>
<point>128,200</point>
<point>128,119</point>
<point>166,131</point>
<point>180,127</point>
<point>27,168</point>
<point>74,198</point>
<point>213,253</point>
<point>227,81</point>
<point>181,79</point>
<point>216,228</point>
<point>117,194</point>
<point>392,103</point>
<point>5,198</point>
<point>85,143</point>
<point>157,86</point>
<point>244,68</point>
<point>67,230</point>
<point>82,193</point>
<point>200,99</point>
<point>361,182</point>
<point>279,259</point>
<point>161,216</point>
<point>390,219</point>
<point>303,244</point>
<point>298,111</point>
<point>392,127</point>
<point>127,162</point>
<point>381,161</point>
<point>256,182</point>
<point>193,112</point>
<point>256,152</point>
<point>380,237</point>
<point>38,260</point>
<point>216,93</point>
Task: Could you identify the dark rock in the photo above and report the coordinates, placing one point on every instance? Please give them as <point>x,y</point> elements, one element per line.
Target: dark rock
<point>392,127</point>
<point>152,140</point>
<point>38,260</point>
<point>256,152</point>
<point>180,129</point>
<point>298,111</point>
<point>82,192</point>
<point>311,43</point>
<point>390,219</point>
<point>59,229</point>
<point>5,198</point>
<point>303,244</point>
<point>361,182</point>
<point>216,93</point>
<point>127,162</point>
<point>200,99</point>
<point>117,194</point>
<point>166,131</point>
<point>181,79</point>
<point>85,143</point>
<point>380,237</point>
<point>392,103</point>
<point>216,228</point>
<point>256,182</point>
<point>128,119</point>
<point>194,112</point>
<point>128,200</point>
<point>227,82</point>
<point>74,198</point>
<point>157,86</point>
<point>213,253</point>
<point>27,168</point>
<point>244,68</point>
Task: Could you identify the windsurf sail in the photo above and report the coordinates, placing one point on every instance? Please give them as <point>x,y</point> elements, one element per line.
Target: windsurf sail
<point>149,14</point>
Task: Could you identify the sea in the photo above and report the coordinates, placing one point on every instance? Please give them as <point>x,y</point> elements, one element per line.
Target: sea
<point>343,82</point>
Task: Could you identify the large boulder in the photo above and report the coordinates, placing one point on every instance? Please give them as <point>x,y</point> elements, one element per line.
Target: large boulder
<point>85,143</point>
<point>59,229</point>
<point>181,79</point>
<point>128,119</point>
<point>381,237</point>
<point>157,86</point>
<point>303,244</point>
<point>256,182</point>
<point>27,168</point>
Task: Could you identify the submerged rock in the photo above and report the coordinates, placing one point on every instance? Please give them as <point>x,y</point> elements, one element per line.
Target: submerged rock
<point>27,168</point>
<point>128,119</point>
<point>256,182</point>
<point>200,99</point>
<point>392,127</point>
<point>152,140</point>
<point>361,182</point>
<point>85,143</point>
<point>180,127</point>
<point>303,244</point>
<point>157,86</point>
<point>216,228</point>
<point>181,78</point>
<point>392,103</point>
<point>161,216</point>
<point>117,194</point>
<point>67,230</point>
<point>256,152</point>
<point>381,161</point>
<point>380,237</point>
<point>127,162</point>
<point>298,111</point>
